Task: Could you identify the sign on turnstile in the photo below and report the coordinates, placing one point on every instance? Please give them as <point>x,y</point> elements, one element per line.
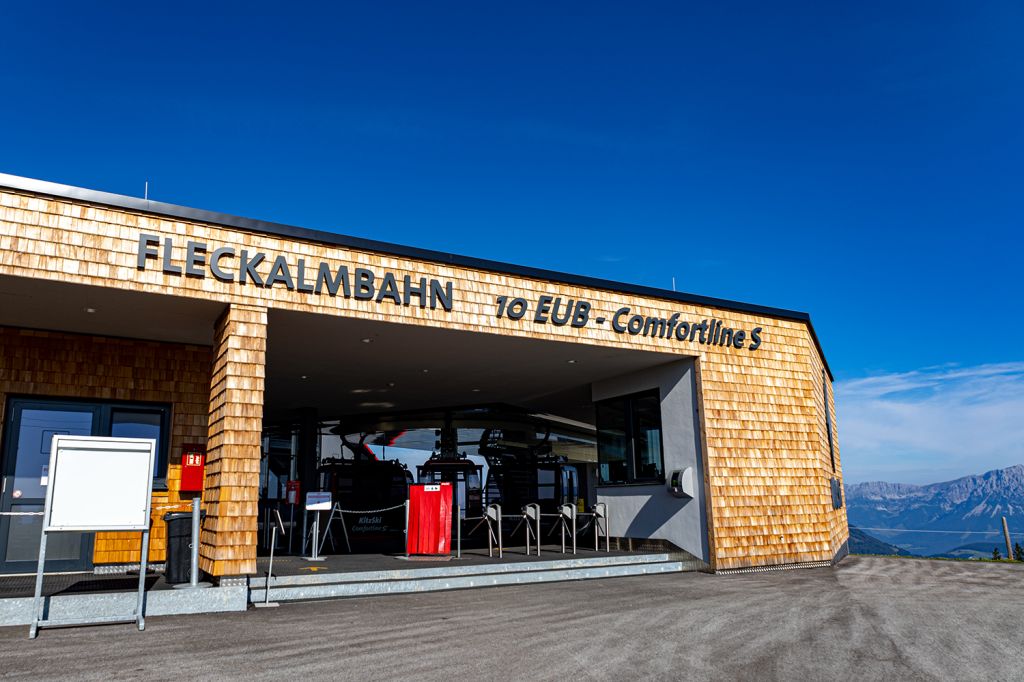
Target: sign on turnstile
<point>430,519</point>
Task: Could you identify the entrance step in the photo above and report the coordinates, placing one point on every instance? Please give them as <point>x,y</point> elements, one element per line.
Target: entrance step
<point>398,581</point>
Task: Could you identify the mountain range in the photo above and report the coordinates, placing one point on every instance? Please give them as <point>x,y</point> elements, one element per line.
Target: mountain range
<point>941,517</point>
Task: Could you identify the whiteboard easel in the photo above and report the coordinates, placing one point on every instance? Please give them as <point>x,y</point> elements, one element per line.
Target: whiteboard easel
<point>97,484</point>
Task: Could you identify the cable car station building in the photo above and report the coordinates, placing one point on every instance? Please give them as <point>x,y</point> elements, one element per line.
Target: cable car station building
<point>706,426</point>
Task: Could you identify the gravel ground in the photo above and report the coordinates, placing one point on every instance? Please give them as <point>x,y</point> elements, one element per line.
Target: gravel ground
<point>867,619</point>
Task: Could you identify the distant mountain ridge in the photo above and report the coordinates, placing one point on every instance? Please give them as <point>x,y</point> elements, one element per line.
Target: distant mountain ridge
<point>972,503</point>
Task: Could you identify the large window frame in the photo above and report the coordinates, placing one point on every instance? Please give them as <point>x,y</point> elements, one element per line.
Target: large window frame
<point>105,411</point>
<point>621,439</point>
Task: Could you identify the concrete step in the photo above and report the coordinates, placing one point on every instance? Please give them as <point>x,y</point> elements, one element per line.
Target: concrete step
<point>508,565</point>
<point>18,610</point>
<point>367,588</point>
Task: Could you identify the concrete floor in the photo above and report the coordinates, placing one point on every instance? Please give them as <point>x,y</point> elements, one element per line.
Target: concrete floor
<point>867,619</point>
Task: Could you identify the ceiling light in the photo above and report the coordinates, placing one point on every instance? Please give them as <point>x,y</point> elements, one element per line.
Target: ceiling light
<point>425,371</point>
<point>90,310</point>
<point>361,390</point>
<point>367,340</point>
<point>303,377</point>
<point>391,384</point>
<point>476,390</point>
<point>573,362</point>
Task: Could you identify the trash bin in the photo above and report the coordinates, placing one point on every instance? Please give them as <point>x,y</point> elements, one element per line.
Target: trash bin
<point>179,546</point>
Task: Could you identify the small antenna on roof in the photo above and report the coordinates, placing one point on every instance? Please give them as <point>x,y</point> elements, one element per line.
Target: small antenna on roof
<point>146,196</point>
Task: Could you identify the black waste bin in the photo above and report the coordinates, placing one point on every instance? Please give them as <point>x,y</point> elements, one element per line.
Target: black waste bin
<point>179,546</point>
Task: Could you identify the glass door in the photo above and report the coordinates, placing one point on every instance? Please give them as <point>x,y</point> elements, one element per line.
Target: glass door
<point>28,432</point>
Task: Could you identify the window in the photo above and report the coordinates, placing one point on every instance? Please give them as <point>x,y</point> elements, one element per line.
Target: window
<point>828,421</point>
<point>629,448</point>
<point>121,420</point>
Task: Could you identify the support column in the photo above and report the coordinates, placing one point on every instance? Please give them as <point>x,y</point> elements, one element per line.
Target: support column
<point>228,541</point>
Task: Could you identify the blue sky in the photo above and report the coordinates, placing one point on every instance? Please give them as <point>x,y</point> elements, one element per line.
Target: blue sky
<point>861,163</point>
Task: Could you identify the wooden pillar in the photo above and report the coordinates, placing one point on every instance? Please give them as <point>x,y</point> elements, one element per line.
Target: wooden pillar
<point>228,541</point>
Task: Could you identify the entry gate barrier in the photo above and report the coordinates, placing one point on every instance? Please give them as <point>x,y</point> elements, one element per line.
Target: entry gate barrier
<point>601,519</point>
<point>531,513</point>
<point>567,522</point>
<point>531,516</point>
<point>492,519</point>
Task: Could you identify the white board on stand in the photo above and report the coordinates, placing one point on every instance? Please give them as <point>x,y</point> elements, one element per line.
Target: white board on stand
<point>318,501</point>
<point>99,484</point>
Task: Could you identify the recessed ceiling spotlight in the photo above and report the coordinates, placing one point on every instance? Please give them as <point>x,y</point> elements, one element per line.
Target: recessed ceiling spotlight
<point>303,377</point>
<point>367,340</point>
<point>573,362</point>
<point>90,310</point>
<point>476,390</point>
<point>391,384</point>
<point>425,371</point>
<point>361,390</point>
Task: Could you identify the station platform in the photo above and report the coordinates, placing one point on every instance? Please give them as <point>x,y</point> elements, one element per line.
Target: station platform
<point>337,576</point>
<point>362,575</point>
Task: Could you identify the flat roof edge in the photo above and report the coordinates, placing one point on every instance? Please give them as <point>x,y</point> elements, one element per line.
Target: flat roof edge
<point>53,189</point>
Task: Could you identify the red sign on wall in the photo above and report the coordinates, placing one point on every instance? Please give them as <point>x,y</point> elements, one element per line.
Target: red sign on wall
<point>430,519</point>
<point>193,465</point>
<point>292,489</point>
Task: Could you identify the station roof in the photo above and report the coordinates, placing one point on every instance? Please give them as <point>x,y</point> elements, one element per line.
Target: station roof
<point>43,187</point>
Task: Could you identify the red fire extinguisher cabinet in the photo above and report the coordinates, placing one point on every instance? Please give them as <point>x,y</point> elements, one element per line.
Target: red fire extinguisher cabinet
<point>430,519</point>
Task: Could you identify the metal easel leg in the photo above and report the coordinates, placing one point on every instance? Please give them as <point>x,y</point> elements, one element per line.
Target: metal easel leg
<point>140,605</point>
<point>37,602</point>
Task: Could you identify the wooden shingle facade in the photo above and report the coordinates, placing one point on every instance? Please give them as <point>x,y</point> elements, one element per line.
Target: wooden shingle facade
<point>762,413</point>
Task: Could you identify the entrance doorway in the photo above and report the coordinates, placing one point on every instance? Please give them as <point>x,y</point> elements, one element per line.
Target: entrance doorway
<point>29,428</point>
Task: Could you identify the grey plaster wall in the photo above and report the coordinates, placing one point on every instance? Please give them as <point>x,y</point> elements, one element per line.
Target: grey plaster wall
<point>650,511</point>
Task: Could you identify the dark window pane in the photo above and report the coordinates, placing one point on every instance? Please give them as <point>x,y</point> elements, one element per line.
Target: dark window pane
<point>545,484</point>
<point>613,441</point>
<point>36,432</point>
<point>23,538</point>
<point>135,425</point>
<point>647,437</point>
<point>629,447</point>
<point>140,424</point>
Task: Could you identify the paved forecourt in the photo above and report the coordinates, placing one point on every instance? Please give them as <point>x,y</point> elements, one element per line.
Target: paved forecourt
<point>867,619</point>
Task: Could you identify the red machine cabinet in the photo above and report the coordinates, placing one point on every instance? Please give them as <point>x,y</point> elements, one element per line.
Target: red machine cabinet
<point>430,519</point>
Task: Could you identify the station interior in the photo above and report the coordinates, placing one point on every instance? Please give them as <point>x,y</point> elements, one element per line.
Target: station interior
<point>362,409</point>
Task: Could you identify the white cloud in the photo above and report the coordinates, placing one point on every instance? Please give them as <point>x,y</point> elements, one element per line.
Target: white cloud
<point>932,424</point>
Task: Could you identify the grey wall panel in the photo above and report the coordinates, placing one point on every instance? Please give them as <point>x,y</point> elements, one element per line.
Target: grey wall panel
<point>649,511</point>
